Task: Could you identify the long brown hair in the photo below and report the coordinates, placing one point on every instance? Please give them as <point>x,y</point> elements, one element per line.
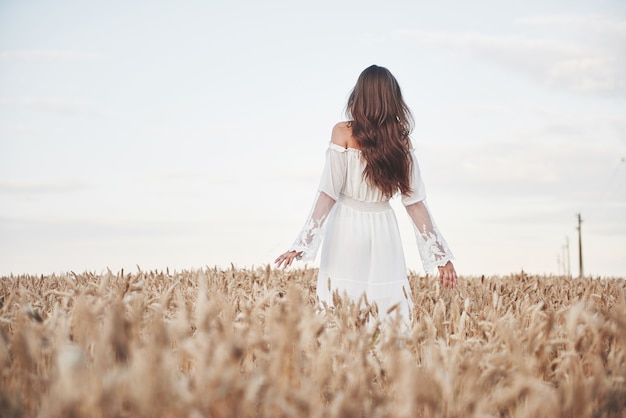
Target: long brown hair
<point>381,124</point>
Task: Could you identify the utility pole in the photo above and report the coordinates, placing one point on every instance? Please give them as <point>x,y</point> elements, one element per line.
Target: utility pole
<point>580,247</point>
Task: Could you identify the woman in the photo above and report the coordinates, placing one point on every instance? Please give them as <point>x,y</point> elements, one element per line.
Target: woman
<point>370,159</point>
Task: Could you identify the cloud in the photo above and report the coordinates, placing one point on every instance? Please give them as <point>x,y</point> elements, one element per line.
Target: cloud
<point>55,105</point>
<point>477,108</point>
<point>526,167</point>
<point>619,127</point>
<point>600,27</point>
<point>583,64</point>
<point>29,189</point>
<point>101,228</point>
<point>38,54</point>
<point>16,128</point>
<point>199,181</point>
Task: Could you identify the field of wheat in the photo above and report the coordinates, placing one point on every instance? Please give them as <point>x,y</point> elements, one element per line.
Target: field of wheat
<point>254,343</point>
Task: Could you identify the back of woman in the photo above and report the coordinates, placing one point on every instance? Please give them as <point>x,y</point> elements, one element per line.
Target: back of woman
<point>356,186</point>
<point>369,160</point>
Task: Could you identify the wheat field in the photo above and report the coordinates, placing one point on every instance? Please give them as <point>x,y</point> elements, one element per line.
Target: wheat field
<point>254,343</point>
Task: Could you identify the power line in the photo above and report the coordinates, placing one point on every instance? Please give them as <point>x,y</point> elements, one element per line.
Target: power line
<point>563,260</point>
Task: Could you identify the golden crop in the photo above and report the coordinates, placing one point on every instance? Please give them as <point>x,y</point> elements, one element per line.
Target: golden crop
<point>252,342</point>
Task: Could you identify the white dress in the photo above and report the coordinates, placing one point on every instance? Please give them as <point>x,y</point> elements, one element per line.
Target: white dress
<point>362,250</point>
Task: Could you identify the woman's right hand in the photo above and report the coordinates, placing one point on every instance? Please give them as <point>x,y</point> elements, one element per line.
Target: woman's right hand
<point>287,258</point>
<point>447,276</point>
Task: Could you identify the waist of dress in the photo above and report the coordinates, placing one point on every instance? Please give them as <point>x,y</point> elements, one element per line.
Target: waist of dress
<point>363,206</point>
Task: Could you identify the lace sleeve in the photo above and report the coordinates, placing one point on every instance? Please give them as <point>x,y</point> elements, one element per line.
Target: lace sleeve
<point>310,238</point>
<point>333,179</point>
<point>433,249</point>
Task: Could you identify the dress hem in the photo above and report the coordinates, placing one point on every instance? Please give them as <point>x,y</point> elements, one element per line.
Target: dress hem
<point>362,282</point>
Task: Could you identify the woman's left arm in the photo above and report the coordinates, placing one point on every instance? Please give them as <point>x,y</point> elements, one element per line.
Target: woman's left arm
<point>433,249</point>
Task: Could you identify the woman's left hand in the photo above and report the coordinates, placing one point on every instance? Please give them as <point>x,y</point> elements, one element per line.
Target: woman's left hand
<point>287,258</point>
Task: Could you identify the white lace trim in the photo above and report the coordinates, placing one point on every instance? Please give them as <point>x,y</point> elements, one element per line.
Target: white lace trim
<point>309,240</point>
<point>432,248</point>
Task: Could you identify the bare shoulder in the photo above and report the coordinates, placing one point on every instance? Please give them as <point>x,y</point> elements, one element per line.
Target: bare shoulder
<point>342,134</point>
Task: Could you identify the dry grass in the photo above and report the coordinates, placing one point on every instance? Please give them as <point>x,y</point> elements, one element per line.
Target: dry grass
<point>245,343</point>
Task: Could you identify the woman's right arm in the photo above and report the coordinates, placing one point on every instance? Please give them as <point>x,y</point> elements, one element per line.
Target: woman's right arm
<point>307,243</point>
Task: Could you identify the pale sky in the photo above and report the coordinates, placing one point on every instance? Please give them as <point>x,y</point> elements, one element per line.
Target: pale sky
<point>189,134</point>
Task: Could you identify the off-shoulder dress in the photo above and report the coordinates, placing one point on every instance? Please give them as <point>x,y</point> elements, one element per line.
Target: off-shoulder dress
<point>362,250</point>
